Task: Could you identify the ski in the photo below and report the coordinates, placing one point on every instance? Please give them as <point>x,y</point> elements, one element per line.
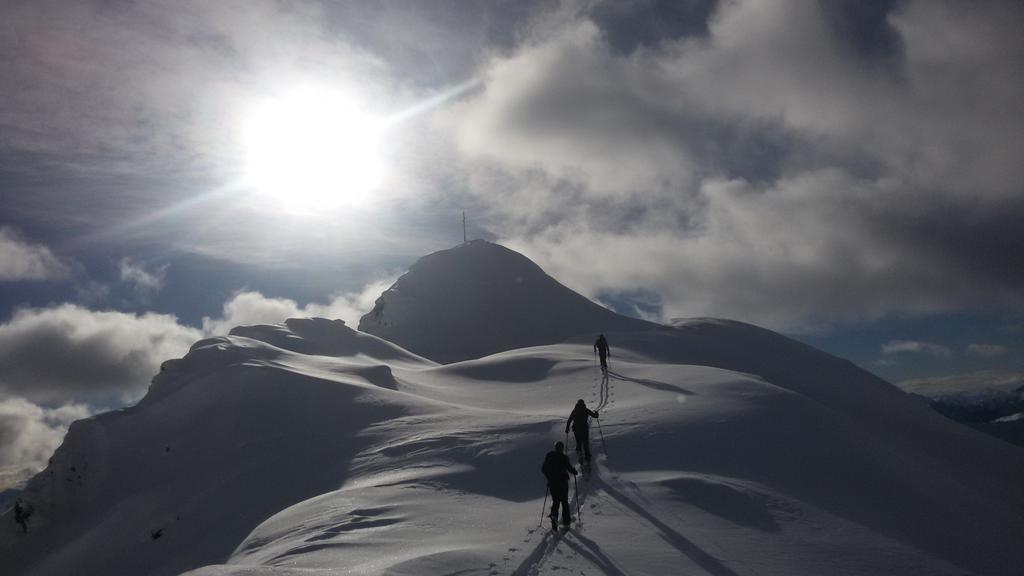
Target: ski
<point>558,528</point>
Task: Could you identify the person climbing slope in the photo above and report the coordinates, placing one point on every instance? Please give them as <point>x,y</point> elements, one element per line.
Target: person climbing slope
<point>603,351</point>
<point>579,420</point>
<point>556,469</point>
<point>22,512</point>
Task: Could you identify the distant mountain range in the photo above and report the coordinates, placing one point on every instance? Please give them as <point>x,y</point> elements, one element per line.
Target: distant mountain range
<point>990,402</point>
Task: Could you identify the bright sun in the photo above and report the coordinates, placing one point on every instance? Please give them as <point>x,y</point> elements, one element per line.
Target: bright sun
<point>313,150</point>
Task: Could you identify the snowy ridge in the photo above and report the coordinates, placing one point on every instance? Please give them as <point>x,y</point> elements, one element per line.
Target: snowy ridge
<point>722,448</point>
<point>228,435</point>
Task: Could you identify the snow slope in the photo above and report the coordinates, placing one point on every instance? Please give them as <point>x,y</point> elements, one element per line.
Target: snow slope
<point>311,448</point>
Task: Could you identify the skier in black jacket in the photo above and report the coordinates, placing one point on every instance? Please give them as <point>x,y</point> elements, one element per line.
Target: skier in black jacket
<point>556,469</point>
<point>603,351</point>
<point>579,420</point>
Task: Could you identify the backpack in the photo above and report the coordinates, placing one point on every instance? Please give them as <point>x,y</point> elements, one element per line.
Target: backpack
<point>550,466</point>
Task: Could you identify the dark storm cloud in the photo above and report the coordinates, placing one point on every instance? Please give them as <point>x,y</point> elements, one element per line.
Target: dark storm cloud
<point>791,180</point>
<point>864,26</point>
<point>633,24</point>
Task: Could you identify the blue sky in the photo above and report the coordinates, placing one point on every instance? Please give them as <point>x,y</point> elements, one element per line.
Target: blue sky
<point>845,172</point>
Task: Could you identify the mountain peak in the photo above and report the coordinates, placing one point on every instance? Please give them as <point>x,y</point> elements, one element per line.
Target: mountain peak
<point>480,298</point>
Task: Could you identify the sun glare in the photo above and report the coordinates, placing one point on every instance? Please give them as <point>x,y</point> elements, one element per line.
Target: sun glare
<point>313,150</point>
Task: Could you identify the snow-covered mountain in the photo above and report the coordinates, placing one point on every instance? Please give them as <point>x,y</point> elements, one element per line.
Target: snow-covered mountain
<point>723,449</point>
<point>480,298</point>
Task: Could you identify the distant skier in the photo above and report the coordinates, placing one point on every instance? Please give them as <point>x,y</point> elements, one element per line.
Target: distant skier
<point>579,420</point>
<point>21,514</point>
<point>602,351</point>
<point>556,469</point>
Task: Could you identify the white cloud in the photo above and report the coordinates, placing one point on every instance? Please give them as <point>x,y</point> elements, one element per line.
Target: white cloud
<point>247,307</point>
<point>798,254</point>
<point>974,382</point>
<point>916,347</point>
<point>67,352</point>
<point>73,357</point>
<point>569,108</point>
<point>765,172</point>
<point>29,434</point>
<point>107,358</point>
<point>987,350</point>
<point>21,260</point>
<point>250,308</point>
<point>143,282</point>
<point>945,117</point>
<point>91,293</point>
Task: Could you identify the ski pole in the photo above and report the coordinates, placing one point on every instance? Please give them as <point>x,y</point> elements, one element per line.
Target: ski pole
<point>544,506</point>
<point>576,486</point>
<point>601,431</point>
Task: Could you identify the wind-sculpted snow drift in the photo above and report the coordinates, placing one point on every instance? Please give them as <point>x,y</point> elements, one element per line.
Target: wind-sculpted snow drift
<point>723,449</point>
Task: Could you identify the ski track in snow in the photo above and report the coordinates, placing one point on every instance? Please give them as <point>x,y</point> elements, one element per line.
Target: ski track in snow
<point>535,562</point>
<point>596,491</point>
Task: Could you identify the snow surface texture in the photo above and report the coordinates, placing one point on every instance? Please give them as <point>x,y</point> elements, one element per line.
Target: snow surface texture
<point>723,449</point>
